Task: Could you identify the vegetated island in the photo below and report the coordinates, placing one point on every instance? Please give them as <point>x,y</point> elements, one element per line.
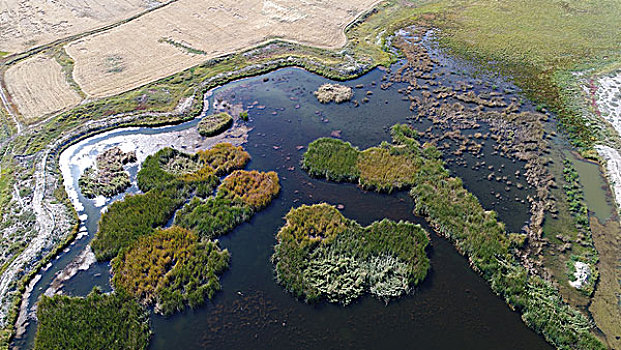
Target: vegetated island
<point>322,254</point>
<point>180,265</point>
<point>99,321</point>
<point>214,124</point>
<point>327,93</point>
<point>107,178</point>
<point>456,214</point>
<point>169,268</point>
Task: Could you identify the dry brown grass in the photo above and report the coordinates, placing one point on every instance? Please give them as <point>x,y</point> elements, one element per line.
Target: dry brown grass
<point>37,86</point>
<point>28,23</point>
<point>188,32</point>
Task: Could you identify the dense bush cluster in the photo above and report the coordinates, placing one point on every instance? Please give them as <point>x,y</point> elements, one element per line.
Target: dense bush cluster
<point>170,268</point>
<point>255,189</point>
<point>224,158</point>
<point>212,217</point>
<point>321,254</point>
<point>385,168</point>
<point>214,124</point>
<point>457,214</point>
<point>99,321</point>
<point>179,266</point>
<point>135,216</point>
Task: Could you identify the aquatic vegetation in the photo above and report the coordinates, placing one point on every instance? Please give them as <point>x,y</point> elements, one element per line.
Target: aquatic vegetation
<point>169,167</point>
<point>212,217</point>
<point>98,321</point>
<point>588,255</point>
<point>385,168</point>
<point>170,268</point>
<point>179,266</point>
<point>321,254</point>
<point>134,216</point>
<point>332,159</point>
<point>214,124</point>
<point>255,189</point>
<point>108,177</point>
<point>542,51</point>
<point>224,158</point>
<point>575,196</point>
<point>476,233</point>
<point>168,178</point>
<point>327,93</point>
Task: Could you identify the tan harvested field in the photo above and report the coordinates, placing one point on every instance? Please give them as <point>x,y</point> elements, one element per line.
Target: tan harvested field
<point>28,23</point>
<point>37,86</point>
<point>187,32</point>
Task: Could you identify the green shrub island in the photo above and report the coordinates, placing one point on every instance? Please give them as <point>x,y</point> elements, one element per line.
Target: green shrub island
<point>168,179</point>
<point>212,217</point>
<point>384,169</point>
<point>179,266</point>
<point>107,178</point>
<point>214,124</point>
<point>321,254</point>
<point>456,214</point>
<point>99,321</point>
<point>170,268</point>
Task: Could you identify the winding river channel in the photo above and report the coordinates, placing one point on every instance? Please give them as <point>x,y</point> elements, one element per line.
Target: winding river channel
<point>452,309</point>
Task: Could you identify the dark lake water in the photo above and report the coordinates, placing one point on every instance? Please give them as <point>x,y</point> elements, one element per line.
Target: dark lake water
<point>452,309</point>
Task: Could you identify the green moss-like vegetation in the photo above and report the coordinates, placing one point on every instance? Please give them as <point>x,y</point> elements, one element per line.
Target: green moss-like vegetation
<point>321,254</point>
<point>170,268</point>
<point>212,217</point>
<point>99,321</point>
<point>214,124</point>
<point>457,214</point>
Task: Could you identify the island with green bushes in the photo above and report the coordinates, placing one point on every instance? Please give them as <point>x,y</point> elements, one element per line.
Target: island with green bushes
<point>323,255</point>
<point>214,124</point>
<point>99,321</point>
<point>456,214</point>
<point>169,268</point>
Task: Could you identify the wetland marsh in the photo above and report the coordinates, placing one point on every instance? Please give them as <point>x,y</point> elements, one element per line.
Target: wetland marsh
<point>283,118</point>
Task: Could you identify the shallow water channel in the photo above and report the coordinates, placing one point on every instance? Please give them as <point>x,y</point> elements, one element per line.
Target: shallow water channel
<point>452,309</point>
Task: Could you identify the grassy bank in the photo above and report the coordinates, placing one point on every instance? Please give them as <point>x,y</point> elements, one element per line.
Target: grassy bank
<point>538,45</point>
<point>476,233</point>
<point>366,49</point>
<point>321,254</point>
